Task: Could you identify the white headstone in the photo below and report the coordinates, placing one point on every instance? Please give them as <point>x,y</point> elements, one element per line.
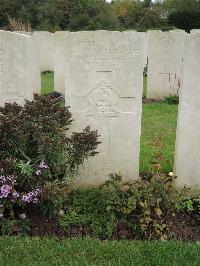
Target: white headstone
<point>15,68</point>
<point>35,61</point>
<point>194,31</point>
<point>144,40</point>
<point>177,30</point>
<point>59,60</point>
<point>24,32</point>
<point>46,48</point>
<point>187,158</point>
<point>104,82</point>
<point>165,62</point>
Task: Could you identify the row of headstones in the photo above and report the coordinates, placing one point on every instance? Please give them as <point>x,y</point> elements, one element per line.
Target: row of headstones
<point>163,52</point>
<point>102,73</point>
<point>165,55</point>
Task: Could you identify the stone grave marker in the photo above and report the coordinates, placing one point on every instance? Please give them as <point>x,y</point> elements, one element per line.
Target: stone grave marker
<point>46,48</point>
<point>16,83</point>
<point>104,83</point>
<point>187,158</point>
<point>61,38</point>
<point>165,63</point>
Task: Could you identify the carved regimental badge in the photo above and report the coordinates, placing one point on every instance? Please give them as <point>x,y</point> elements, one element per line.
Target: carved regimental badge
<point>103,99</point>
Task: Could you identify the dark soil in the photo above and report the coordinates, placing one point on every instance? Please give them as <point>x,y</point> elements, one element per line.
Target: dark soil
<point>182,227</point>
<point>148,101</point>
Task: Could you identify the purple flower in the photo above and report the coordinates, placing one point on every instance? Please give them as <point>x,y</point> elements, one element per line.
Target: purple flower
<point>43,165</point>
<point>15,196</point>
<point>11,180</point>
<point>22,216</point>
<point>5,190</point>
<point>38,172</point>
<point>32,196</point>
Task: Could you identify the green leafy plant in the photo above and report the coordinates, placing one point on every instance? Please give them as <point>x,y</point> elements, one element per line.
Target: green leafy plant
<point>38,132</point>
<point>14,227</point>
<point>37,153</point>
<point>139,208</point>
<point>87,211</point>
<point>171,99</point>
<point>189,205</point>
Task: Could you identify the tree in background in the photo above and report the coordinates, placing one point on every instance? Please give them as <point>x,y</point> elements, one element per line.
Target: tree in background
<point>53,15</point>
<point>91,15</point>
<point>183,14</point>
<point>76,15</point>
<point>140,15</point>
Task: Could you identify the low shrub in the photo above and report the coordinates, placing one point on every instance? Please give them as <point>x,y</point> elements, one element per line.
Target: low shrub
<point>190,205</point>
<point>171,99</point>
<point>138,208</point>
<point>37,132</point>
<point>36,150</point>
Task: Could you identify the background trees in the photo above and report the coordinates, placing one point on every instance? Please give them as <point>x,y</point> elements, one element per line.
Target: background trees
<point>75,15</point>
<point>183,14</point>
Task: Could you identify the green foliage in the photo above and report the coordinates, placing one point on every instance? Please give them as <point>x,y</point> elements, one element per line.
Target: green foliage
<point>14,227</point>
<point>183,14</point>
<point>56,195</point>
<point>38,156</point>
<point>190,205</point>
<point>88,210</point>
<point>92,15</point>
<point>171,99</point>
<point>37,132</point>
<point>139,207</point>
<point>186,20</point>
<point>53,15</point>
<point>139,15</point>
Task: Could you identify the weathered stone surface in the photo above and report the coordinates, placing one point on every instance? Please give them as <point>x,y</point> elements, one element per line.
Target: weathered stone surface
<point>59,60</point>
<point>35,68</point>
<point>195,31</point>
<point>46,48</point>
<point>165,61</point>
<point>187,159</point>
<point>35,61</point>
<point>16,83</point>
<point>104,80</point>
<point>24,32</point>
<point>144,41</point>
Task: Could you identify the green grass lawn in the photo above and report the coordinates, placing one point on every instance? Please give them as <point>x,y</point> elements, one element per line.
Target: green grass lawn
<point>47,82</point>
<point>27,251</point>
<point>158,123</point>
<point>158,135</point>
